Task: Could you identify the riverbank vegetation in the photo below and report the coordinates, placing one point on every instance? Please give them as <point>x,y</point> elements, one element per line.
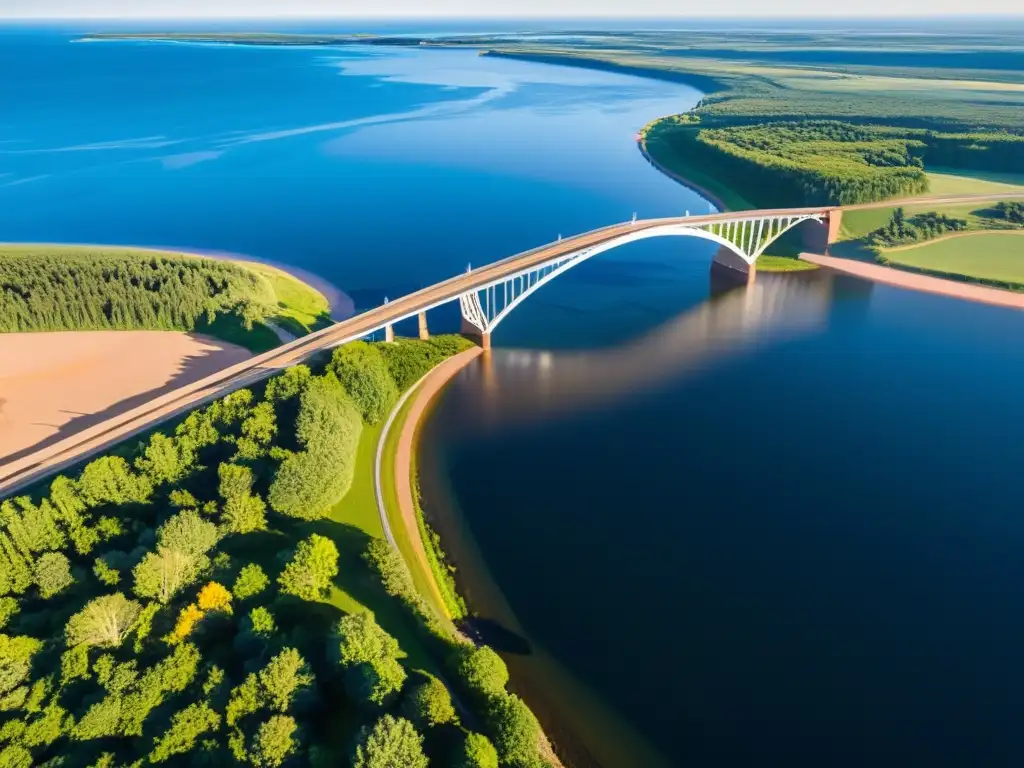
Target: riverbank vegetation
<point>809,163</point>
<point>215,594</point>
<point>61,288</point>
<point>902,230</point>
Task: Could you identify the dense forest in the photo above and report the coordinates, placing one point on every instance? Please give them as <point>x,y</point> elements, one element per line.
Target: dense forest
<point>176,601</point>
<point>57,289</point>
<point>827,162</point>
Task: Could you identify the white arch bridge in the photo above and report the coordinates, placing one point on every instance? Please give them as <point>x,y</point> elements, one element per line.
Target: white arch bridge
<point>742,238</point>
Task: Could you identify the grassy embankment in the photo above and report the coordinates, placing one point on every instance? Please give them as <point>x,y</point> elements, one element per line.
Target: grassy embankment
<point>439,579</point>
<point>148,289</point>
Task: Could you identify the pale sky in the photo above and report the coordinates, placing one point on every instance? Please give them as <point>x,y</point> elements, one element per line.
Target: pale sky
<point>181,9</point>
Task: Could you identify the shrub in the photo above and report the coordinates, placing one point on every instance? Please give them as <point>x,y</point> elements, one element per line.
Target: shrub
<point>482,670</point>
<point>476,751</point>
<point>429,704</point>
<point>515,731</point>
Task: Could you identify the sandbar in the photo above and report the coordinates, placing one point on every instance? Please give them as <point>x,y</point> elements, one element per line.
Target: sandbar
<point>53,385</point>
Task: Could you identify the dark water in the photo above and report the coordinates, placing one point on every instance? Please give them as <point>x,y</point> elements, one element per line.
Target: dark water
<point>777,526</point>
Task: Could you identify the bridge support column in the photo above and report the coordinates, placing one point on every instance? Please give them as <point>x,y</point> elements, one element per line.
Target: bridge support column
<point>424,333</point>
<point>482,338</point>
<point>389,333</point>
<point>835,221</point>
<point>729,267</point>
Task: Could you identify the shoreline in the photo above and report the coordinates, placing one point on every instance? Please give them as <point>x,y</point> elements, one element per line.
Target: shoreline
<point>421,394</point>
<point>701,190</point>
<point>421,397</point>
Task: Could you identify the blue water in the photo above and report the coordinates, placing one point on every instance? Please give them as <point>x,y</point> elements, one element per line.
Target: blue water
<point>776,527</point>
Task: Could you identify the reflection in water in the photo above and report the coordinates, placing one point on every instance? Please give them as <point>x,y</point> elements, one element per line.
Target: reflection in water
<point>513,388</point>
<point>519,386</point>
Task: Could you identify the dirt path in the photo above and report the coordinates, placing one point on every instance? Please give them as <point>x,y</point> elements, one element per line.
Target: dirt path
<point>901,279</point>
<point>54,385</point>
<point>422,397</point>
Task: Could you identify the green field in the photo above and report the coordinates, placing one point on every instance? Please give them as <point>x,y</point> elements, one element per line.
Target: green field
<point>950,181</point>
<point>992,257</point>
<point>783,264</point>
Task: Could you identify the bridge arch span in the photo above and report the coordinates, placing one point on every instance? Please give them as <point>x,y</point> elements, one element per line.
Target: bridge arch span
<point>486,307</point>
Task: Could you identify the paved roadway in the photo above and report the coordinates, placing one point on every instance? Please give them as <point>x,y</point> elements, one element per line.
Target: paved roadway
<point>18,474</point>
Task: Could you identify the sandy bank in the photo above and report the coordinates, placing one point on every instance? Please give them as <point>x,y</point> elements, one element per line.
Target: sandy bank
<point>916,282</point>
<point>53,385</point>
<point>427,389</point>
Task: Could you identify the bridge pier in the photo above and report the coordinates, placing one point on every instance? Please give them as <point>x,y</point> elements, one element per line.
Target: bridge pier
<point>424,332</point>
<point>482,338</point>
<point>834,222</point>
<point>729,267</point>
<point>389,333</point>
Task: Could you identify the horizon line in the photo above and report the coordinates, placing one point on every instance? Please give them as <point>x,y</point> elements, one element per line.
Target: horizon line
<point>515,17</point>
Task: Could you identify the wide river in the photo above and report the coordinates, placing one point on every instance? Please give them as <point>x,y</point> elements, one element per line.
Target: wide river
<point>780,526</point>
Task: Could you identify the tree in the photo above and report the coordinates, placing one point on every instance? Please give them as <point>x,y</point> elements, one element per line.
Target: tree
<point>251,581</point>
<point>166,459</point>
<point>109,480</point>
<point>390,743</point>
<point>186,728</point>
<point>482,669</point>
<point>274,741</point>
<point>285,676</point>
<point>261,623</point>
<point>361,639</point>
<point>291,383</point>
<point>374,684</point>
<point>235,480</point>
<point>104,621</point>
<point>476,751</point>
<point>8,610</point>
<point>245,699</point>
<point>15,756</point>
<point>15,570</point>
<point>188,533</point>
<point>261,425</point>
<point>363,373</point>
<point>53,574</point>
<point>429,704</point>
<point>309,573</point>
<point>370,656</point>
<point>15,661</point>
<point>161,575</point>
<point>515,730</point>
<point>105,573</point>
<point>188,618</point>
<point>214,597</point>
<point>328,426</point>
<point>244,514</point>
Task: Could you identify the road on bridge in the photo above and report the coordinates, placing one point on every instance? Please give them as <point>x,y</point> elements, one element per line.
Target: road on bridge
<point>18,474</point>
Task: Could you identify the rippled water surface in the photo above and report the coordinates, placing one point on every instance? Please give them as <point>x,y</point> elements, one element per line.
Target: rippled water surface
<point>777,526</point>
